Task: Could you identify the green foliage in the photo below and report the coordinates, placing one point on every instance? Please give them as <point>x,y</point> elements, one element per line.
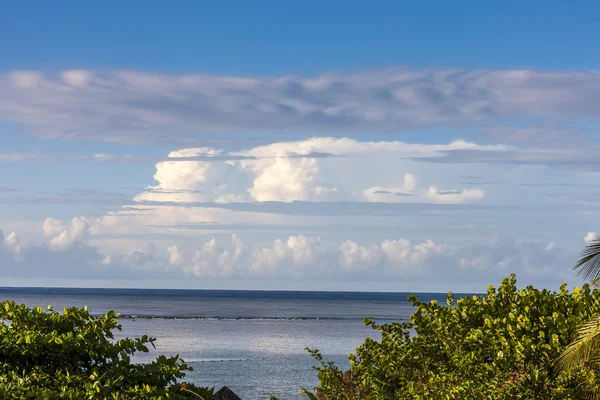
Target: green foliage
<point>45,354</point>
<point>585,348</point>
<point>496,346</point>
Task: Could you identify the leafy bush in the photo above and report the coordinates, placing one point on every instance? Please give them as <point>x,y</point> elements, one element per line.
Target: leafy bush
<point>45,354</point>
<point>502,345</point>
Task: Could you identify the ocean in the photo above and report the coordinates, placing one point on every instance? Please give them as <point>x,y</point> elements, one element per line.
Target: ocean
<point>251,341</point>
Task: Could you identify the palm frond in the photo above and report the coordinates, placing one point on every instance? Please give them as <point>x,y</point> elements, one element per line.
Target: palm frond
<point>588,265</point>
<point>308,394</point>
<point>585,347</point>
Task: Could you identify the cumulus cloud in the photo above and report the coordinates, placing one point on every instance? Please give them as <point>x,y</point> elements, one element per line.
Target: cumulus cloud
<point>330,208</point>
<point>289,172</point>
<point>13,244</point>
<point>22,258</point>
<point>138,106</point>
<point>188,181</point>
<point>142,258</point>
<point>503,255</point>
<point>65,234</point>
<point>295,257</point>
<point>301,257</point>
<point>399,256</point>
<point>212,261</point>
<point>175,256</point>
<point>291,257</point>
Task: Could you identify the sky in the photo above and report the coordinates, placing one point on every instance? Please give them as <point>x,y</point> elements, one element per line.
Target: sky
<point>396,146</point>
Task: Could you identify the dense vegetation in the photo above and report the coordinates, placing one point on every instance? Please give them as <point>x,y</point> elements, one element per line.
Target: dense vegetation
<point>45,354</point>
<point>502,345</point>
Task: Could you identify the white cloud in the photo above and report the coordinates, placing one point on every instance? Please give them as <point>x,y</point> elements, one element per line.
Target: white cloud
<point>211,261</point>
<point>323,191</point>
<point>301,257</point>
<point>590,237</point>
<point>455,196</point>
<point>312,209</point>
<point>284,180</point>
<point>77,78</point>
<point>296,257</point>
<point>13,243</point>
<point>392,194</point>
<point>398,256</point>
<point>192,181</point>
<point>22,258</point>
<point>62,234</point>
<point>291,171</point>
<point>175,256</point>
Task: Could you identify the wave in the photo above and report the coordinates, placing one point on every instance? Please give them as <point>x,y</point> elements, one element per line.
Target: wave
<point>214,360</point>
<point>253,318</point>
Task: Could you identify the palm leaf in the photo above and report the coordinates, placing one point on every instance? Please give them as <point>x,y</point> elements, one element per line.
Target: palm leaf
<point>585,347</point>
<point>308,394</point>
<point>588,265</point>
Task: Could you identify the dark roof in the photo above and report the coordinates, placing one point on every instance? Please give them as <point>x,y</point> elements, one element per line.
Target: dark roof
<point>226,394</point>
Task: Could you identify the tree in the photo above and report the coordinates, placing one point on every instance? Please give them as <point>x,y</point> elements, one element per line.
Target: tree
<point>585,348</point>
<point>588,265</point>
<point>45,354</point>
<point>502,345</point>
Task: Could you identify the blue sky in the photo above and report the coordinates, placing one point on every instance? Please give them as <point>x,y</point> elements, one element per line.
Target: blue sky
<point>297,145</point>
<point>232,37</point>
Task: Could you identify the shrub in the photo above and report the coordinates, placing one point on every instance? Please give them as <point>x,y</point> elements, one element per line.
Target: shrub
<point>45,354</point>
<point>496,346</point>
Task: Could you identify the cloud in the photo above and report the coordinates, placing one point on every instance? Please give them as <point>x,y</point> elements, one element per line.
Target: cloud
<point>590,237</point>
<point>503,255</point>
<point>477,180</point>
<point>455,196</point>
<point>397,256</point>
<point>13,244</point>
<point>295,257</point>
<point>21,258</point>
<point>298,256</point>
<point>391,194</point>
<point>112,158</point>
<point>320,208</point>
<point>289,172</point>
<point>142,107</point>
<point>305,257</point>
<point>175,256</point>
<point>62,235</point>
<point>583,157</point>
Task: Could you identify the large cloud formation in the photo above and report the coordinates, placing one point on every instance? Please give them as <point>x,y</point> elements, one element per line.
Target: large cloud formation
<point>138,107</point>
<point>302,210</point>
<point>318,169</point>
<point>295,257</point>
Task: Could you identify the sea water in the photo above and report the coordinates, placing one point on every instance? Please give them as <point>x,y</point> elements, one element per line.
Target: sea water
<point>251,341</point>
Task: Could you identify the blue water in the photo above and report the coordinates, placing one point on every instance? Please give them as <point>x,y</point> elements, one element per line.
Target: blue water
<point>252,341</point>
